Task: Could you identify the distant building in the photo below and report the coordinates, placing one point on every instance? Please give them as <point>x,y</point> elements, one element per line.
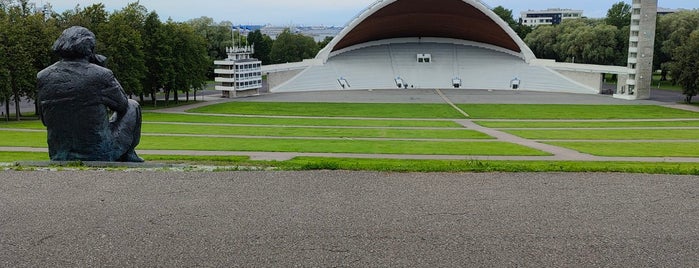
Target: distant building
<point>239,74</point>
<point>319,33</point>
<point>550,16</point>
<point>665,11</point>
<point>274,31</point>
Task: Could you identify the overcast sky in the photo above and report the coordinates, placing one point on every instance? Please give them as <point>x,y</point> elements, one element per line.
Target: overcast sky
<point>320,12</point>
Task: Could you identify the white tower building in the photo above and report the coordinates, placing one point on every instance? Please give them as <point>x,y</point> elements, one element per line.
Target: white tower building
<point>644,14</point>
<point>240,74</point>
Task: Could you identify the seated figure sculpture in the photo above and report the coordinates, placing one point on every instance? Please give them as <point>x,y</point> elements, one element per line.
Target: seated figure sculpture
<point>83,106</point>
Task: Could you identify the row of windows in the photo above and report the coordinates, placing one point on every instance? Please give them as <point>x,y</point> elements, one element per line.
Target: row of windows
<point>251,66</point>
<point>248,84</point>
<point>242,75</point>
<point>565,15</point>
<point>538,21</point>
<point>248,75</point>
<point>243,84</point>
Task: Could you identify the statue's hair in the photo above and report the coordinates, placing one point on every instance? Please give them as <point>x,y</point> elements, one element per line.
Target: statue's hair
<point>74,43</point>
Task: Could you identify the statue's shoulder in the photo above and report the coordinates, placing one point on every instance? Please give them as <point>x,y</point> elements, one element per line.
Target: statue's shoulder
<point>99,69</point>
<point>48,70</point>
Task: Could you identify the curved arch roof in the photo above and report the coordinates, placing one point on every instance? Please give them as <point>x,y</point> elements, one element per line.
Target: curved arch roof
<point>467,20</point>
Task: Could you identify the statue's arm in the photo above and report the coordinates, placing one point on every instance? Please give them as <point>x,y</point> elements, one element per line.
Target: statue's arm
<point>114,96</point>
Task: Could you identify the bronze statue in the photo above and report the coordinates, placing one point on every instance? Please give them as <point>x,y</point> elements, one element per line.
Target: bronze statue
<point>83,106</point>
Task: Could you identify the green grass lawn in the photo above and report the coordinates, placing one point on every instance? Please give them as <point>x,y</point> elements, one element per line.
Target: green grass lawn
<point>194,118</point>
<point>29,124</point>
<point>38,140</point>
<point>369,110</point>
<point>583,124</point>
<point>608,134</point>
<point>23,139</point>
<point>258,123</point>
<point>666,85</point>
<point>676,149</point>
<point>147,105</point>
<point>8,157</point>
<point>397,165</point>
<point>555,111</point>
<point>335,146</point>
<point>314,132</point>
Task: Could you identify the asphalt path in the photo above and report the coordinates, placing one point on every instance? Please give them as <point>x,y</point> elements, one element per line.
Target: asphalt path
<point>340,218</point>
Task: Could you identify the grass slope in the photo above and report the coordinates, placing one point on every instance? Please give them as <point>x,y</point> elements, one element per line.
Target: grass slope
<point>315,132</point>
<point>676,149</point>
<point>564,111</point>
<point>336,146</point>
<point>608,134</point>
<point>369,110</point>
<point>583,124</point>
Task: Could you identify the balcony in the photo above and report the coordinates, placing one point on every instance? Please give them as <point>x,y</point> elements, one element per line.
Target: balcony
<point>224,71</point>
<point>224,80</point>
<point>222,88</point>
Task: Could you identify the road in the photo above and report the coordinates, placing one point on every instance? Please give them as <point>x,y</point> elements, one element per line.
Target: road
<point>341,218</point>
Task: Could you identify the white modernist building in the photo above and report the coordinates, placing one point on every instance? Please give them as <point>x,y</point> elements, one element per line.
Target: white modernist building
<point>239,74</point>
<point>549,16</point>
<point>432,44</point>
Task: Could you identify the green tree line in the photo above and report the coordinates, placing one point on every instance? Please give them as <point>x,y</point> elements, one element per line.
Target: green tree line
<point>145,54</point>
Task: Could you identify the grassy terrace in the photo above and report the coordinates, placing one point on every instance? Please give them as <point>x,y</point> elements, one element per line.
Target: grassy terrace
<point>154,142</point>
<point>253,120</point>
<point>427,129</point>
<point>595,134</point>
<point>583,124</point>
<point>576,112</point>
<point>393,165</point>
<point>315,132</point>
<point>363,110</point>
<point>613,149</point>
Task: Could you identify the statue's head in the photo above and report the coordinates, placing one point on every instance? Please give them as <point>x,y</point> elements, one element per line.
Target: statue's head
<point>75,43</point>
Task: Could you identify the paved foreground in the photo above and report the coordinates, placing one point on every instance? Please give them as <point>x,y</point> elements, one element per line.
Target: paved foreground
<point>338,218</point>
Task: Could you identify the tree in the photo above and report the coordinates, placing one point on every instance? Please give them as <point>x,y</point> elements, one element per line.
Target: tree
<point>542,40</point>
<point>263,45</point>
<point>5,89</point>
<point>619,15</point>
<point>157,47</point>
<point>121,41</point>
<point>24,43</point>
<point>91,17</point>
<point>322,44</point>
<point>506,15</point>
<point>685,66</point>
<point>189,60</point>
<point>291,47</point>
<point>673,30</point>
<point>218,37</point>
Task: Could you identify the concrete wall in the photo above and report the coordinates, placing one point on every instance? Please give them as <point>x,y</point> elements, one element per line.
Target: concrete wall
<point>277,78</point>
<point>593,80</point>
